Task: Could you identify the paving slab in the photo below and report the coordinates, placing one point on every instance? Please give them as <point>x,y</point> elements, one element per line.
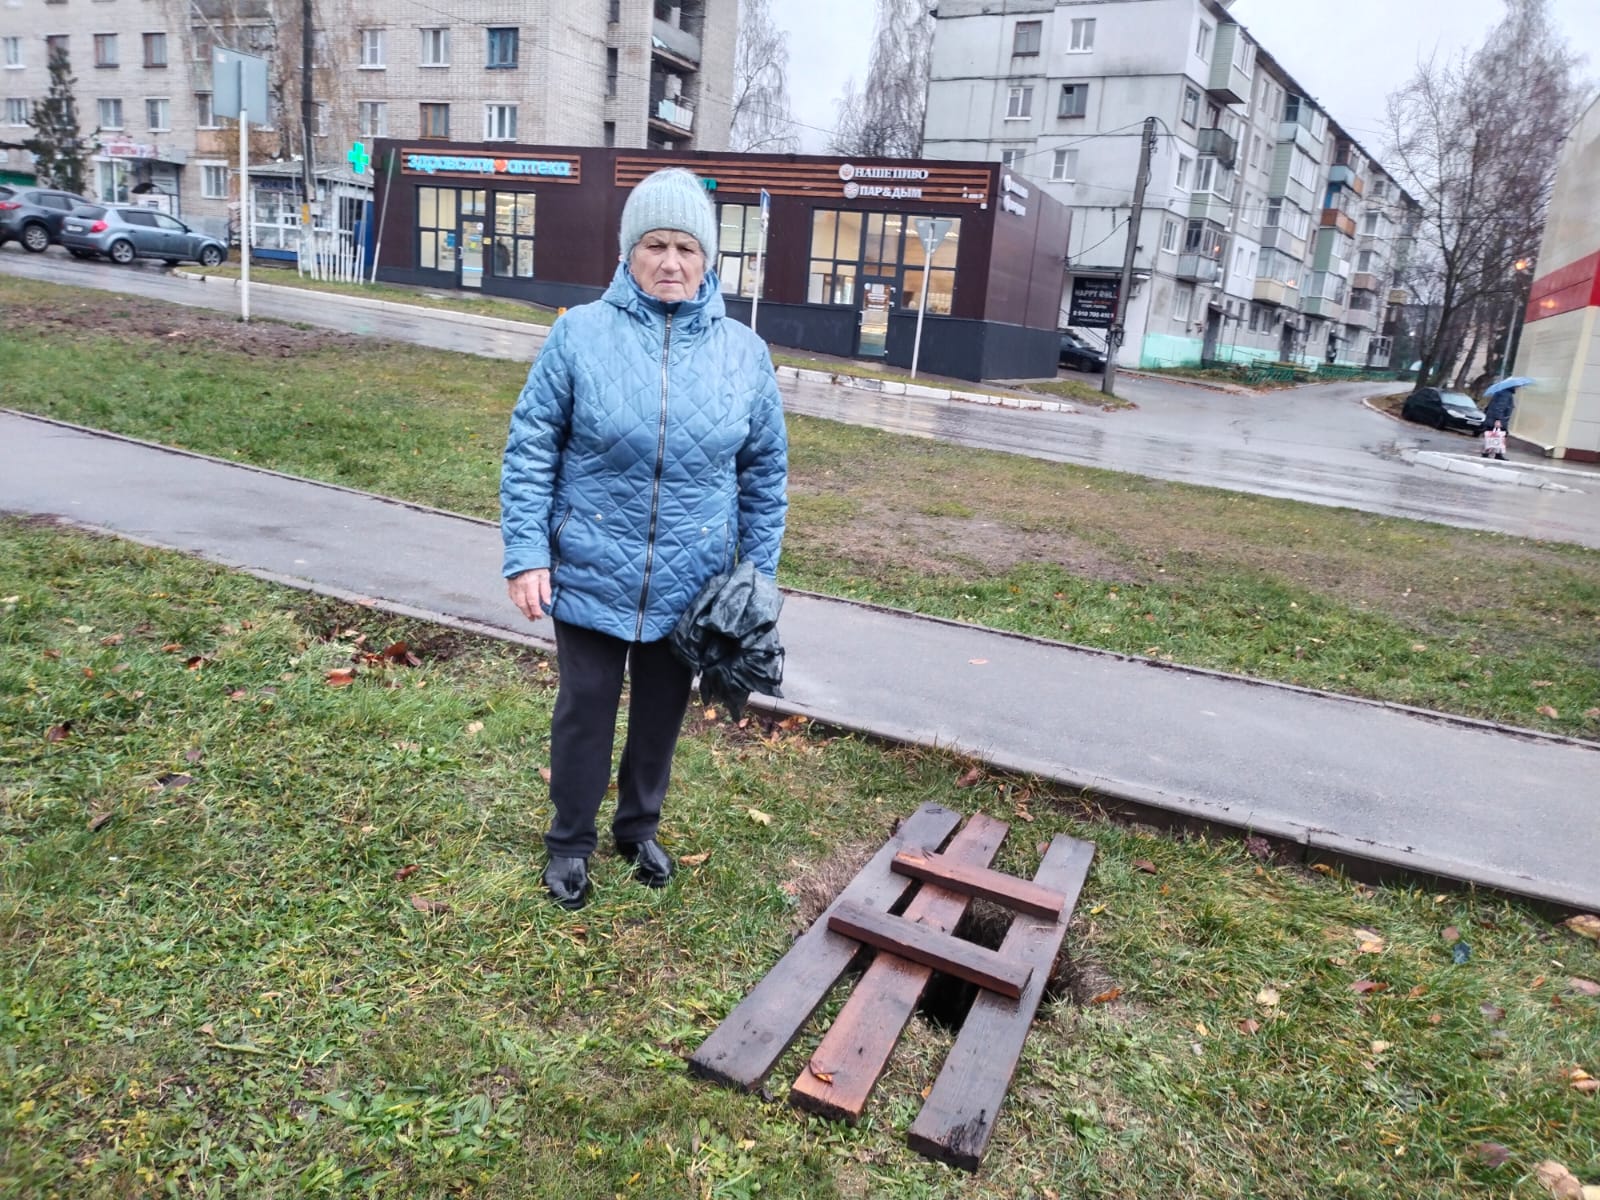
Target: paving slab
<point>1381,784</point>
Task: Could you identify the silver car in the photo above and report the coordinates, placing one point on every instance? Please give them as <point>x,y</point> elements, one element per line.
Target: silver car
<point>123,234</point>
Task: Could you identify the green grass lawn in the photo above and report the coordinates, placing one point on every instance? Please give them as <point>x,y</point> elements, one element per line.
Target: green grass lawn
<point>1403,611</point>
<point>265,936</point>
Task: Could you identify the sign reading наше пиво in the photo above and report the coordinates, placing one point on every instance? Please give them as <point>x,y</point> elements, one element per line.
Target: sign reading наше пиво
<point>556,169</point>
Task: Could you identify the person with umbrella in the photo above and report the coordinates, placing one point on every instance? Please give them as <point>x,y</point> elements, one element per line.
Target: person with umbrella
<point>1502,398</point>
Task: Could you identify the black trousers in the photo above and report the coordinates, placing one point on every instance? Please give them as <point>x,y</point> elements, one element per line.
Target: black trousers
<point>583,729</point>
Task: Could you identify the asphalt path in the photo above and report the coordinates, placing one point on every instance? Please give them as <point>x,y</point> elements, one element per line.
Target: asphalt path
<point>1317,444</point>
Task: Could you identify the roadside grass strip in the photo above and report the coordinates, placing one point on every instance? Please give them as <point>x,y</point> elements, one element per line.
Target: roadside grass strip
<point>272,926</point>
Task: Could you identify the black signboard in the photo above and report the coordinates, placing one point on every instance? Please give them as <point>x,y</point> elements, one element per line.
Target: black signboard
<point>1094,302</point>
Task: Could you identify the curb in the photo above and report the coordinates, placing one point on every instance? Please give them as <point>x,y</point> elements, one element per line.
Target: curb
<point>1516,473</point>
<point>896,387</point>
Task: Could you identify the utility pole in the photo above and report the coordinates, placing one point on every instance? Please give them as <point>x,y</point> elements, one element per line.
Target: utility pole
<point>308,108</point>
<point>1119,326</point>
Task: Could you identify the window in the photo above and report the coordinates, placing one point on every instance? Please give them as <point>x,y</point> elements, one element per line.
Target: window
<point>1080,35</point>
<point>513,235</point>
<point>435,121</point>
<point>1255,149</point>
<point>1202,42</point>
<point>883,245</point>
<point>1019,103</point>
<point>105,49</point>
<point>110,114</point>
<point>1380,188</point>
<point>13,51</point>
<point>320,119</point>
<point>738,239</point>
<point>1204,238</point>
<point>1302,169</point>
<point>1169,235</point>
<point>1009,158</point>
<point>1182,303</point>
<point>500,122</point>
<point>1025,37</point>
<point>158,115</point>
<point>372,118</point>
<point>436,47</point>
<point>941,271</point>
<point>204,117</point>
<point>835,256</point>
<point>1211,176</point>
<point>438,223</point>
<point>1185,163</point>
<point>1064,166</point>
<point>1191,106</point>
<point>214,181</point>
<point>1364,262</point>
<point>608,131</point>
<point>612,70</point>
<point>502,48</point>
<point>57,43</point>
<point>372,50</point>
<point>16,110</point>
<point>155,49</point>
<point>615,14</point>
<point>1074,100</point>
<point>1369,223</point>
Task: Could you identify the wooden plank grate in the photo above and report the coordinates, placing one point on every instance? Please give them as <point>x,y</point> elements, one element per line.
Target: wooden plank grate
<point>957,1119</point>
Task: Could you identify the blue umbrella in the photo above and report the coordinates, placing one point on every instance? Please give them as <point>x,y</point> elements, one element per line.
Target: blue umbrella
<point>1515,381</point>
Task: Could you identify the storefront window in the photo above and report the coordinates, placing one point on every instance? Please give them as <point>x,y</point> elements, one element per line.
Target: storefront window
<point>878,246</point>
<point>513,235</point>
<point>439,215</point>
<point>738,240</point>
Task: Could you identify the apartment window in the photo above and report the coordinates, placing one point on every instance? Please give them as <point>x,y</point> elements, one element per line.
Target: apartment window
<point>1369,223</point>
<point>435,121</point>
<point>57,43</point>
<point>1380,188</point>
<point>608,131</point>
<point>1244,54</point>
<point>1010,158</point>
<point>1255,149</point>
<point>1203,237</point>
<point>214,181</point>
<point>1240,255</point>
<point>502,48</point>
<point>1185,165</point>
<point>1169,235</point>
<point>1026,36</point>
<point>500,122</point>
<point>320,119</point>
<point>110,114</point>
<point>201,42</point>
<point>204,116</point>
<point>738,239</point>
<point>615,13</point>
<point>1064,166</point>
<point>1364,261</point>
<point>12,47</point>
<point>612,70</point>
<point>372,49</point>
<point>1182,303</point>
<point>1302,170</point>
<point>1191,106</point>
<point>1080,35</point>
<point>1074,100</point>
<point>436,47</point>
<point>158,115</point>
<point>155,49</point>
<point>1019,103</point>
<point>105,49</point>
<point>16,111</point>
<point>513,235</point>
<point>1202,42</point>
<point>372,118</point>
<point>1211,176</point>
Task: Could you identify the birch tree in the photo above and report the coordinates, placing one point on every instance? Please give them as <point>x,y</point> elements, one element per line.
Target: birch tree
<point>762,121</point>
<point>883,119</point>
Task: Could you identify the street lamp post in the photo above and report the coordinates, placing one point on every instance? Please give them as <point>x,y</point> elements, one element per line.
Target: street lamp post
<point>1519,267</point>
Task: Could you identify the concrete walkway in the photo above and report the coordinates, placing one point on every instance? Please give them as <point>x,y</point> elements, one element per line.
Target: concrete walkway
<point>1343,778</point>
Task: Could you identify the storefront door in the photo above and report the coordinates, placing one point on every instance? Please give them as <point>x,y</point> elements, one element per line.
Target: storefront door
<point>876,298</point>
<point>471,242</point>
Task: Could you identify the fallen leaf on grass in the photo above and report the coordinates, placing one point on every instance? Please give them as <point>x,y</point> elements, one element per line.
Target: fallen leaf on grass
<point>544,774</point>
<point>168,781</point>
<point>1380,1047</point>
<point>1494,1012</point>
<point>341,677</point>
<point>971,777</point>
<point>407,871</point>
<point>1267,997</point>
<point>1583,1081</point>
<point>1106,997</point>
<point>1543,683</point>
<point>399,652</point>
<point>1558,1181</point>
<point>57,733</point>
<point>195,662</point>
<point>172,648</point>
<point>1362,987</point>
<point>694,860</point>
<point>1145,865</point>
<point>1490,1154</point>
<point>114,639</point>
<point>1584,925</point>
<point>208,1029</point>
<point>1322,868</point>
<point>97,820</point>
<point>1545,710</point>
<point>1368,941</point>
<point>192,756</point>
<point>759,817</point>
<point>1584,987</point>
<point>1258,847</point>
<point>424,905</point>
<point>1592,713</point>
<point>710,714</point>
<point>1249,1026</point>
<point>1452,934</point>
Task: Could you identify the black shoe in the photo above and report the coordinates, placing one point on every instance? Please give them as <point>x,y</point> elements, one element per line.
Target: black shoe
<point>652,866</point>
<point>568,881</point>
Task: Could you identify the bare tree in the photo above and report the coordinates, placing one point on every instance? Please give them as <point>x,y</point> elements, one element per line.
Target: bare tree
<point>884,119</point>
<point>1476,142</point>
<point>762,121</point>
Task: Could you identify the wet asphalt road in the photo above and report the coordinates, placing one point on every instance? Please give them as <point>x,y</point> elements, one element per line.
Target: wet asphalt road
<point>1316,444</point>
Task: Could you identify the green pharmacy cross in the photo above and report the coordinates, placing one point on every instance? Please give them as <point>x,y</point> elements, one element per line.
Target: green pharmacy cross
<point>359,158</point>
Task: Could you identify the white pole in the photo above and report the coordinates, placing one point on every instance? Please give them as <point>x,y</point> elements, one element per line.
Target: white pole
<point>922,307</point>
<point>761,262</point>
<point>244,206</point>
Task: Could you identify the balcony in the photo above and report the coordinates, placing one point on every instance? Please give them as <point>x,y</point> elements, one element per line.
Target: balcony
<point>1332,218</point>
<point>1361,318</point>
<point>1278,238</point>
<point>1322,306</point>
<point>678,117</point>
<point>1399,296</point>
<point>674,44</point>
<point>1364,281</point>
<point>1275,291</point>
<point>1220,146</point>
<point>1208,206</point>
<point>1198,268</point>
<point>1228,84</point>
<point>1343,175</point>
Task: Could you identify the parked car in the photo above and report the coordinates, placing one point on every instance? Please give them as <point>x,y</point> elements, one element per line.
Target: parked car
<point>1079,355</point>
<point>123,234</point>
<point>1443,410</point>
<point>33,215</point>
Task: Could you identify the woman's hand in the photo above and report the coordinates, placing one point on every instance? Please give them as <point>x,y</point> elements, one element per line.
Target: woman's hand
<point>530,592</point>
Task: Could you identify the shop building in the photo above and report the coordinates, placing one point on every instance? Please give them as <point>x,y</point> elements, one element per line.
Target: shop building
<point>843,270</point>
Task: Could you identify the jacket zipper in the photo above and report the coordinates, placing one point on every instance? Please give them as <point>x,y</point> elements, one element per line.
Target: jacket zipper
<point>655,490</point>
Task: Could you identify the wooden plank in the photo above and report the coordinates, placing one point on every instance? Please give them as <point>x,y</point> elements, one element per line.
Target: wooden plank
<point>964,960</point>
<point>743,1049</point>
<point>839,1076</point>
<point>958,1117</point>
<point>976,879</point>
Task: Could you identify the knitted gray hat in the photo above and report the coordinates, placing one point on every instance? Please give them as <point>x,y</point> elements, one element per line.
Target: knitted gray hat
<point>670,199</point>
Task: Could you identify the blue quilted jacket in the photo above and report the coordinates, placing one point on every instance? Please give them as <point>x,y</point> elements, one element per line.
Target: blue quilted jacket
<point>647,453</point>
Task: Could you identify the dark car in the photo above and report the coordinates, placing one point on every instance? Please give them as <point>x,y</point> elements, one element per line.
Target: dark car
<point>33,215</point>
<point>1079,355</point>
<point>1443,410</point>
<point>123,234</point>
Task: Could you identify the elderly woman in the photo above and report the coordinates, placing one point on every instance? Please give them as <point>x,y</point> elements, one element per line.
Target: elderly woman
<point>647,453</point>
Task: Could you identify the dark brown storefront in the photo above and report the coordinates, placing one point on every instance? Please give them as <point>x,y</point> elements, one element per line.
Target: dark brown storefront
<point>844,265</point>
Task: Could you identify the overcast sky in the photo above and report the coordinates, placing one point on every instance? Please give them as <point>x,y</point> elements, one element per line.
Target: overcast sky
<point>1347,53</point>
